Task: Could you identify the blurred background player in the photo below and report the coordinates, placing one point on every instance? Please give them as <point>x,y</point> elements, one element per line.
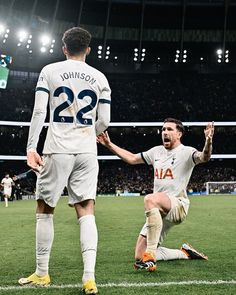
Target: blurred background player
<point>168,205</point>
<point>7,184</point>
<point>79,100</point>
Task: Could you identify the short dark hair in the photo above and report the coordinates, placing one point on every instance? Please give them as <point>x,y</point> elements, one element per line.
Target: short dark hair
<point>76,40</point>
<point>179,124</point>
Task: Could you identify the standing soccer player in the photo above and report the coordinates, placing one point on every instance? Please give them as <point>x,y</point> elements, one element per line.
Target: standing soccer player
<point>168,205</point>
<point>7,183</point>
<point>79,100</point>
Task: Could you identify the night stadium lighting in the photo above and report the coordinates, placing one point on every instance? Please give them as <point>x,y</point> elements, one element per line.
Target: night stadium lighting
<point>106,57</point>
<point>135,49</point>
<point>4,41</point>
<point>115,57</point>
<point>176,60</point>
<point>142,59</point>
<point>45,40</point>
<point>227,60</point>
<point>108,52</point>
<point>2,28</point>
<point>51,50</point>
<point>219,60</point>
<point>99,56</point>
<point>108,47</point>
<point>143,50</point>
<point>100,47</point>
<point>219,51</point>
<point>22,35</point>
<point>99,51</point>
<point>201,58</point>
<point>6,36</point>
<point>43,49</point>
<point>135,59</point>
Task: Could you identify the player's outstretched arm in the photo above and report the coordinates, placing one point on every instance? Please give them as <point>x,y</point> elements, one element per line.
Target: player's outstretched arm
<point>205,155</point>
<point>125,155</point>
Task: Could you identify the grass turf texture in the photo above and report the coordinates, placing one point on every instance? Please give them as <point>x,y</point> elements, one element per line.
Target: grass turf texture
<point>210,227</point>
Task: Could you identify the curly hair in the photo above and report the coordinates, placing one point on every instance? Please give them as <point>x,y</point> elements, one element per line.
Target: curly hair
<point>76,40</point>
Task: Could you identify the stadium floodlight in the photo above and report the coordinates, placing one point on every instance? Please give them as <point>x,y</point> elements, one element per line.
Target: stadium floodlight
<point>51,50</point>
<point>135,59</point>
<point>27,46</point>
<point>99,51</point>
<point>185,51</point>
<point>177,51</point>
<point>143,54</point>
<point>219,60</point>
<point>100,47</point>
<point>135,54</point>
<point>6,36</point>
<point>99,56</point>
<point>45,39</point>
<point>227,60</point>
<point>19,44</point>
<point>108,47</point>
<point>108,52</point>
<point>135,49</point>
<point>30,51</point>
<point>4,41</point>
<point>219,51</point>
<point>29,41</point>
<point>143,50</point>
<point>53,41</point>
<point>142,59</point>
<point>158,58</point>
<point>184,60</point>
<point>2,28</point>
<point>106,57</point>
<point>22,35</point>
<point>201,58</point>
<point>43,49</point>
<point>185,56</point>
<point>176,60</point>
<point>115,57</point>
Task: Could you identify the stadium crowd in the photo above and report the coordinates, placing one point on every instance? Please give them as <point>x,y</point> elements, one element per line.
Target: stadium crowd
<point>189,97</point>
<point>116,177</point>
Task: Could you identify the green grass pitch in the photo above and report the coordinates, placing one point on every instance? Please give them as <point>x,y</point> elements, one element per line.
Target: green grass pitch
<point>210,227</point>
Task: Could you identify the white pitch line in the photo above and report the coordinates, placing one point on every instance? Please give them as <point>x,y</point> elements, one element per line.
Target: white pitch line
<point>125,285</point>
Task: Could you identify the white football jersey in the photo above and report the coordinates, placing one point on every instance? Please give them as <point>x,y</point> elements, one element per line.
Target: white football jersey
<point>172,168</point>
<point>7,182</point>
<point>75,92</point>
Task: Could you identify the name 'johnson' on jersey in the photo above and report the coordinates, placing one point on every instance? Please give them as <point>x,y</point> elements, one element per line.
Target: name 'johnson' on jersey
<point>75,92</point>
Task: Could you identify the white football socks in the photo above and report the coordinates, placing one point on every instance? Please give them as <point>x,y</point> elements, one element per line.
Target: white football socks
<point>163,253</point>
<point>44,240</point>
<point>88,243</point>
<point>6,202</point>
<point>154,227</point>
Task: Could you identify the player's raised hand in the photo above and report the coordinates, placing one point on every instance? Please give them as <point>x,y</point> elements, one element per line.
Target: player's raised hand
<point>34,161</point>
<point>209,131</point>
<point>104,139</point>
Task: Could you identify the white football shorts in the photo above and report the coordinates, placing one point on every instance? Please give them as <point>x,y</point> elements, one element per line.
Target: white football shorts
<point>7,192</point>
<point>177,213</point>
<point>77,172</point>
